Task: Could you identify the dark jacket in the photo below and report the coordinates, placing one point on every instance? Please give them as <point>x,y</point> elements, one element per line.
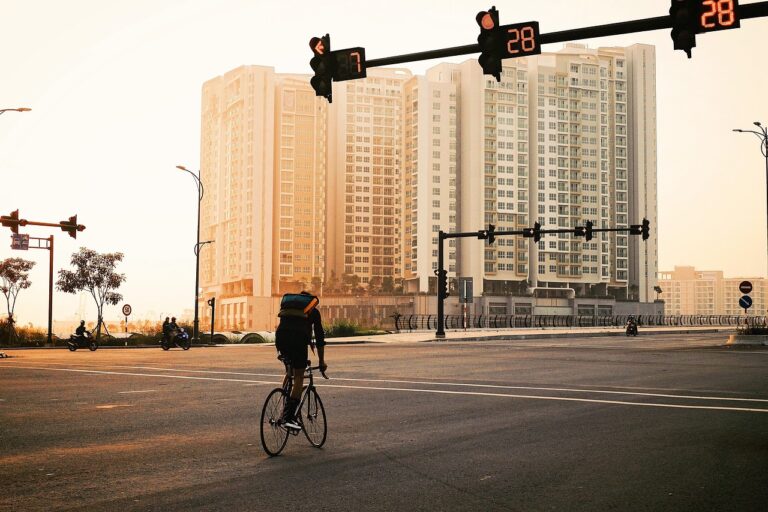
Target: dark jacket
<point>295,328</point>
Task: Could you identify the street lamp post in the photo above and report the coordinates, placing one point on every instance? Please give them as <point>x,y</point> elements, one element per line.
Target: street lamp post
<point>762,134</point>
<point>200,192</point>
<point>20,109</point>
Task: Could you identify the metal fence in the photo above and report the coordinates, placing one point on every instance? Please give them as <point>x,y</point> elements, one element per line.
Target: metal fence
<point>455,322</point>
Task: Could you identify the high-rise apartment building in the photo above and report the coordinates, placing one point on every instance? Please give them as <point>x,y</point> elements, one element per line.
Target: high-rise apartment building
<point>687,291</point>
<point>300,202</point>
<point>237,170</point>
<point>365,195</point>
<point>305,194</point>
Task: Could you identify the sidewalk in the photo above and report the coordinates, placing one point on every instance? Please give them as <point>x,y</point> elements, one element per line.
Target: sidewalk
<point>523,334</point>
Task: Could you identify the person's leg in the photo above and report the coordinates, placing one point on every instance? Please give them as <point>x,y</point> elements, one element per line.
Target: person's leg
<point>298,383</point>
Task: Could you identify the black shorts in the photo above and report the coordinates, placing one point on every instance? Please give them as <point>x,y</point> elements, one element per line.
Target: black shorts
<point>293,348</point>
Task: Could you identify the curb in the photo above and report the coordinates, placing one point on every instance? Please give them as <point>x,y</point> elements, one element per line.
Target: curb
<point>512,336</point>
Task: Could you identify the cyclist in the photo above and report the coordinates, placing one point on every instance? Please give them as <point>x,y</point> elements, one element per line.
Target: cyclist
<point>292,337</point>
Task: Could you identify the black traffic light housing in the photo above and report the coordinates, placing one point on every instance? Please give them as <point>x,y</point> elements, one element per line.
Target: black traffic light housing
<point>588,231</point>
<point>534,232</point>
<point>487,234</point>
<point>645,229</point>
<point>212,301</point>
<point>71,226</point>
<point>490,41</point>
<point>442,284</point>
<point>322,65</point>
<point>11,221</point>
<point>585,230</point>
<point>684,14</point>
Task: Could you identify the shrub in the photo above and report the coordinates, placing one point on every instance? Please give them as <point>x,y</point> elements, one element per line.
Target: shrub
<point>25,336</point>
<point>341,329</point>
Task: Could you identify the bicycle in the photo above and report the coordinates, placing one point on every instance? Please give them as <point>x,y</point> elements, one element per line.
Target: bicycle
<point>310,414</point>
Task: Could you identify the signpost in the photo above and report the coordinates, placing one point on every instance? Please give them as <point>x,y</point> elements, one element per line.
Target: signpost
<point>745,302</point>
<point>20,242</point>
<point>127,312</point>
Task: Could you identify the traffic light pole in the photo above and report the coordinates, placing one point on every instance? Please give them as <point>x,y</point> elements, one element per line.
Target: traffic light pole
<point>746,11</point>
<point>490,234</point>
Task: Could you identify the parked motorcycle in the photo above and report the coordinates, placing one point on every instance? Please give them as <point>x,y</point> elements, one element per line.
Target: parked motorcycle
<point>84,341</point>
<point>631,329</point>
<point>179,339</point>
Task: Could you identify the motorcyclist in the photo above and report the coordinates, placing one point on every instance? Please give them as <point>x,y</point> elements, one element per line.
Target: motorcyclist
<point>167,329</point>
<point>81,331</point>
<point>631,326</point>
<point>173,328</point>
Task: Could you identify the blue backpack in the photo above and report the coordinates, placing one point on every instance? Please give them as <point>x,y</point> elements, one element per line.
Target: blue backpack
<point>297,305</point>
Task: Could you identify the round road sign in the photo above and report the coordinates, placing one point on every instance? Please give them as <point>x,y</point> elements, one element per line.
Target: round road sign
<point>745,287</point>
<point>745,301</point>
<point>127,309</point>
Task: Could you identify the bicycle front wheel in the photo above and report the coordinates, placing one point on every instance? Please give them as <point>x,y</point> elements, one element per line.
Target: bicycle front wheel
<point>273,435</point>
<point>313,419</point>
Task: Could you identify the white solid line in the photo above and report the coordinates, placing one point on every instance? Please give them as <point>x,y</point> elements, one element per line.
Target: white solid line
<point>459,384</point>
<point>139,391</point>
<point>436,391</point>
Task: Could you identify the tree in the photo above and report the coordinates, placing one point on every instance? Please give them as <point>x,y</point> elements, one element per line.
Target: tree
<point>94,273</point>
<point>14,277</point>
<point>388,285</point>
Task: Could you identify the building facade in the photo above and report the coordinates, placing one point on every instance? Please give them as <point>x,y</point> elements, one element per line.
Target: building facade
<point>302,194</point>
<point>687,291</point>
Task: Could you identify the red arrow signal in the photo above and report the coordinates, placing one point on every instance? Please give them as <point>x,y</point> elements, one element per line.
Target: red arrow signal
<point>317,45</point>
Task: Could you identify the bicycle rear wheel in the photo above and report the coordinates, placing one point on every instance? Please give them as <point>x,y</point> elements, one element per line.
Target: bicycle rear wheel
<point>273,435</point>
<point>313,419</point>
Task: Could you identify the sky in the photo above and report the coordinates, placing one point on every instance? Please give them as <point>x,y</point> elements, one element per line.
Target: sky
<point>115,88</point>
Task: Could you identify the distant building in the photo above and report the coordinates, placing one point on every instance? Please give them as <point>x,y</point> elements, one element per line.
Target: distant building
<point>687,291</point>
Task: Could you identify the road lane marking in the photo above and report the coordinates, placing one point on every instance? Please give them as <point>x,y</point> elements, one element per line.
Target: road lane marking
<point>412,390</point>
<point>459,384</point>
<point>137,391</point>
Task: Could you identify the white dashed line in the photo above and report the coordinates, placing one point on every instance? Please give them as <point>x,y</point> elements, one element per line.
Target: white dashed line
<point>433,391</point>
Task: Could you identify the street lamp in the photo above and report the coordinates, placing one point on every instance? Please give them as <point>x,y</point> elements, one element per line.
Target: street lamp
<point>762,134</point>
<point>20,109</point>
<point>200,192</point>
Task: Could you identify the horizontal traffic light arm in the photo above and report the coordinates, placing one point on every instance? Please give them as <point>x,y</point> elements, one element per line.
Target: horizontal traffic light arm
<point>746,11</point>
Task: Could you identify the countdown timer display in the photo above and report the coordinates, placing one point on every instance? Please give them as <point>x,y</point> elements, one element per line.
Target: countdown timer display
<point>349,64</point>
<point>520,39</point>
<point>718,15</point>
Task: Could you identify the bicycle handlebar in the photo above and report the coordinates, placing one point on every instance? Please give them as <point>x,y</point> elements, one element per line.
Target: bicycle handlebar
<point>318,368</point>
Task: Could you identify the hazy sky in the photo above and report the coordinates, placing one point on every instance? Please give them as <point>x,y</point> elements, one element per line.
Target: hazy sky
<point>115,92</point>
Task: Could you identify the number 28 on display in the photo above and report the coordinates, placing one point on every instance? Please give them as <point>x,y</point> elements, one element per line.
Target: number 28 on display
<point>718,15</point>
<point>522,39</point>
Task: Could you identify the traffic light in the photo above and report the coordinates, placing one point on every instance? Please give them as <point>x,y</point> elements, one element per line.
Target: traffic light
<point>490,234</point>
<point>490,41</point>
<point>212,301</point>
<point>442,284</point>
<point>645,230</point>
<point>322,65</point>
<point>11,221</point>
<point>71,226</point>
<point>588,231</point>
<point>684,14</point>
<point>534,232</point>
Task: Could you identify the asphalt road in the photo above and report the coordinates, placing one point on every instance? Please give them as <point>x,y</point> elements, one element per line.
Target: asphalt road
<point>654,423</point>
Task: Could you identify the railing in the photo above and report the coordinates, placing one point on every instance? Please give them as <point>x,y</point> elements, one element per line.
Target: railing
<point>457,322</point>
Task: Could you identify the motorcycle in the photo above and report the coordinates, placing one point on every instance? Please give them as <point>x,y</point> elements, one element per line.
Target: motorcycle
<point>631,329</point>
<point>86,340</point>
<point>179,339</point>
